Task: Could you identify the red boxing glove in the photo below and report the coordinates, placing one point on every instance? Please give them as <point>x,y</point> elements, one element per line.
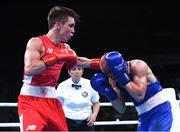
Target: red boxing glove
<point>56,57</point>
<point>95,63</point>
<point>50,59</point>
<point>71,62</point>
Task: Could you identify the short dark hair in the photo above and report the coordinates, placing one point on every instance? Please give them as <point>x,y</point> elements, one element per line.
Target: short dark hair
<point>69,69</point>
<point>60,13</point>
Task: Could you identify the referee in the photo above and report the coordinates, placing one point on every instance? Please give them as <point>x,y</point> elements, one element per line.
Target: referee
<point>80,101</point>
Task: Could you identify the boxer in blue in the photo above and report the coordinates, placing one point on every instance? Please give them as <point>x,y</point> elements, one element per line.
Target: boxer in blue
<point>134,79</point>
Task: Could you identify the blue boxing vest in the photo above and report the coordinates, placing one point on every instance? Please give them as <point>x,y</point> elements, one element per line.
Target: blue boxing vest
<point>154,111</point>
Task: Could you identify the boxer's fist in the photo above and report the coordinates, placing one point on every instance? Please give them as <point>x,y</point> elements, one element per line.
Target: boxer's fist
<point>113,64</point>
<point>100,83</point>
<point>95,63</point>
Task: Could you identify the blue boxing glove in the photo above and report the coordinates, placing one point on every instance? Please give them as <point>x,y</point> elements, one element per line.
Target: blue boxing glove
<point>117,66</point>
<point>100,83</point>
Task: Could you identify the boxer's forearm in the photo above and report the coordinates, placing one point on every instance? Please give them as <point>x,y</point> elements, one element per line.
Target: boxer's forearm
<point>89,63</point>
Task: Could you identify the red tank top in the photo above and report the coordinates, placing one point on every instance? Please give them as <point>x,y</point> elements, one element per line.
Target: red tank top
<point>48,77</point>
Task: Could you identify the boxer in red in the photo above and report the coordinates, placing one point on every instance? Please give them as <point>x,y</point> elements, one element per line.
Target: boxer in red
<point>38,107</point>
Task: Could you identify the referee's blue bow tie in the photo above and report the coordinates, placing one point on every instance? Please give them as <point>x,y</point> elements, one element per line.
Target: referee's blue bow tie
<point>76,86</point>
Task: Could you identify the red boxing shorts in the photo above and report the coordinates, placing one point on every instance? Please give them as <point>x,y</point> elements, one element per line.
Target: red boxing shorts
<point>40,113</point>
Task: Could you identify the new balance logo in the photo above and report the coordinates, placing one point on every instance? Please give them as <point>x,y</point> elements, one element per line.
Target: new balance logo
<point>31,127</point>
<point>49,50</point>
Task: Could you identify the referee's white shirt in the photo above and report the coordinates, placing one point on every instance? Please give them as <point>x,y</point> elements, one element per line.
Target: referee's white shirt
<point>77,102</point>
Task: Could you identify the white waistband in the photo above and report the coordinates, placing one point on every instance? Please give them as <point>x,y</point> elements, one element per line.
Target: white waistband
<point>152,102</point>
<point>38,91</point>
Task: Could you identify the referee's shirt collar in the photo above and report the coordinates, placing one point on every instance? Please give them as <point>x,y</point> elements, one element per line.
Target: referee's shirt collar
<point>76,85</point>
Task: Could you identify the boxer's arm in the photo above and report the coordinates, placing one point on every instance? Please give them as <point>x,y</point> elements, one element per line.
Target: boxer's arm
<point>99,82</point>
<point>119,103</point>
<point>32,62</point>
<point>138,85</point>
<point>89,63</point>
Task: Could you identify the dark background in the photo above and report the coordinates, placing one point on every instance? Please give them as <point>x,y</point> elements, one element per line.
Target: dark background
<point>148,31</point>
